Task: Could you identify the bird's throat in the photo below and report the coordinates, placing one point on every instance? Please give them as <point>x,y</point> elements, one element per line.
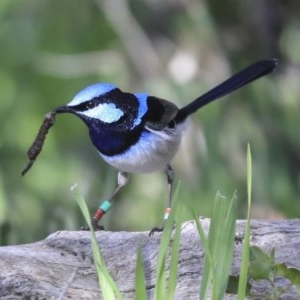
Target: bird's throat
<point>111,142</point>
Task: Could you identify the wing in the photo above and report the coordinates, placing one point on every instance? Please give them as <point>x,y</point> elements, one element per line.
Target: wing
<point>160,113</point>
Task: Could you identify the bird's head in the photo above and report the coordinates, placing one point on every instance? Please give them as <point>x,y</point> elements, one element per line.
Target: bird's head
<point>95,102</point>
<point>111,115</point>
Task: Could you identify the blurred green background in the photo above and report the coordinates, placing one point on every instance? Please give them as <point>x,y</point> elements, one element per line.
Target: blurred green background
<point>172,49</point>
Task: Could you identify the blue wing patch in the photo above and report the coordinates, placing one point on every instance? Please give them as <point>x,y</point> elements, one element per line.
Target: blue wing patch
<point>142,108</point>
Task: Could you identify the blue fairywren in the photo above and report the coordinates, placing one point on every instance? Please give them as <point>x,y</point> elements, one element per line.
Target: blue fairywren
<point>139,133</point>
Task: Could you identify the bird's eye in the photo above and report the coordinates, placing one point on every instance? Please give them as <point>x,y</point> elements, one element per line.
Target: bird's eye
<point>90,104</point>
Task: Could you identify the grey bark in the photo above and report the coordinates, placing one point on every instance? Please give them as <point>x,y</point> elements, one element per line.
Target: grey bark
<point>61,266</point>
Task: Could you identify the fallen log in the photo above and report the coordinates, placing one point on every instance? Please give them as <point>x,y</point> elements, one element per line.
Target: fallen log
<point>61,266</point>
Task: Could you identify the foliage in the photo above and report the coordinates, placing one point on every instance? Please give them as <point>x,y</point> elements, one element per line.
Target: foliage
<point>175,50</point>
<point>242,284</point>
<point>218,248</point>
<point>262,266</point>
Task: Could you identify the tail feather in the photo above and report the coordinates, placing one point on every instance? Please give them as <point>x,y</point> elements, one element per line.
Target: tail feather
<point>247,75</point>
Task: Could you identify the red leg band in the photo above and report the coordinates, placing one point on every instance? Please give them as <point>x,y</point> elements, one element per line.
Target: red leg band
<point>98,215</point>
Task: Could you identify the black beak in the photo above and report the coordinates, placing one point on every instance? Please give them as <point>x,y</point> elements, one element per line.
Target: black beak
<point>63,109</point>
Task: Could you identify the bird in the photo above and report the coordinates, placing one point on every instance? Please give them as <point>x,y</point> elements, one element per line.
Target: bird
<point>140,133</point>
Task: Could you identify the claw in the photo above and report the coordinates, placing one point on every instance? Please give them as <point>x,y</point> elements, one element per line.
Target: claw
<point>96,227</point>
<point>155,229</point>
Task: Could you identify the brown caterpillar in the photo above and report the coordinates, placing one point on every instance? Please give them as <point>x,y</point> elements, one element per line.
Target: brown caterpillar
<point>38,143</point>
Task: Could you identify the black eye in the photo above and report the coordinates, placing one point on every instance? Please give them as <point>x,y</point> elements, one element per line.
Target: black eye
<point>90,104</point>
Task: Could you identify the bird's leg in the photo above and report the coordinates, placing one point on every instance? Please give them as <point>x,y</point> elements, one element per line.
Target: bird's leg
<point>106,205</point>
<point>170,176</point>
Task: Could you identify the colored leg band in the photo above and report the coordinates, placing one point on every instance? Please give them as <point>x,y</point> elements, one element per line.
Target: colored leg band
<point>167,213</point>
<point>98,215</point>
<point>105,206</point>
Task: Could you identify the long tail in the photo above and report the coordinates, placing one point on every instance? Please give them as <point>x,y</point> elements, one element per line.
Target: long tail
<point>251,73</point>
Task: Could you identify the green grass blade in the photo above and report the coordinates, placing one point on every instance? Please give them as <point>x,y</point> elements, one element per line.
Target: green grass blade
<point>107,285</point>
<point>207,274</point>
<point>175,255</point>
<point>209,278</point>
<point>160,285</point>
<point>218,247</point>
<point>224,247</point>
<point>245,253</point>
<point>140,281</point>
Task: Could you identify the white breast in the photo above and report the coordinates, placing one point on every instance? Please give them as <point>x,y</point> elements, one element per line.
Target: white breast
<point>151,153</point>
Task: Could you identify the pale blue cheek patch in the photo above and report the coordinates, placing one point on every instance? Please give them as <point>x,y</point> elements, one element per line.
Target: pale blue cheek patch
<point>142,110</point>
<point>105,112</point>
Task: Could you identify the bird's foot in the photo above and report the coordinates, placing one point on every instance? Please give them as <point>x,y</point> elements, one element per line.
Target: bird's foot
<point>86,228</point>
<point>96,227</point>
<point>156,229</point>
<point>103,208</point>
<point>159,229</point>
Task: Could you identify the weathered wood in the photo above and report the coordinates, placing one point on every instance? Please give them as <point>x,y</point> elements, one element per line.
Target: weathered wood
<point>61,266</point>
